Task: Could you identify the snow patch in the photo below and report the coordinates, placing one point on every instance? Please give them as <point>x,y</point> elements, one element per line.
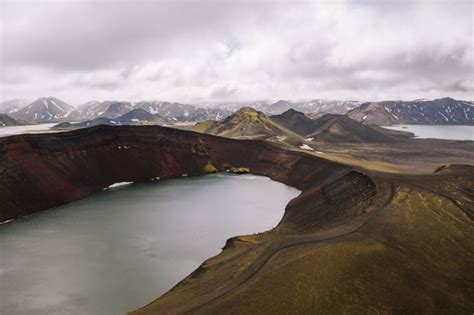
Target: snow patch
<point>306,147</point>
<point>118,185</point>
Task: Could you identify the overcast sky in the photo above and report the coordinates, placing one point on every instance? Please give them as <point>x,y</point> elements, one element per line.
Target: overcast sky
<point>197,51</point>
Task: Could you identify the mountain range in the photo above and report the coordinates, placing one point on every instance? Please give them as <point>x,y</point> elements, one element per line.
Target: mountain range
<point>444,111</point>
<point>137,116</point>
<point>295,128</point>
<point>438,111</point>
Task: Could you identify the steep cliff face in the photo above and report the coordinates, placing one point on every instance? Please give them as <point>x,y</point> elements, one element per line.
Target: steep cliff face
<point>43,171</point>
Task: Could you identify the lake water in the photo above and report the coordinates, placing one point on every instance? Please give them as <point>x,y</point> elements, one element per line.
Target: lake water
<point>120,249</point>
<point>448,132</point>
<point>16,130</point>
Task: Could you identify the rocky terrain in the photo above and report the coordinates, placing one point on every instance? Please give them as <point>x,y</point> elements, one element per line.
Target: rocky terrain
<point>353,240</point>
<point>444,111</point>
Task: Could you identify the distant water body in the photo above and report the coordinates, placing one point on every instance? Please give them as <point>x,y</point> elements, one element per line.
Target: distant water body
<point>448,132</point>
<point>16,130</point>
<point>119,249</point>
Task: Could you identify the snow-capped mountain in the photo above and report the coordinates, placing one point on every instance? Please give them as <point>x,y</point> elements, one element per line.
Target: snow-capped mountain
<point>174,111</point>
<point>443,111</point>
<point>44,109</point>
<point>307,107</point>
<point>117,109</point>
<point>183,112</point>
<point>11,106</point>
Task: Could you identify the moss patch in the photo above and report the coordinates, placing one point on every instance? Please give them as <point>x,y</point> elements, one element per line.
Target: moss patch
<point>209,168</point>
<point>239,170</point>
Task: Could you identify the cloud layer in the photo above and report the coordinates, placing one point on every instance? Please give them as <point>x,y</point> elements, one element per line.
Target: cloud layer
<point>241,50</point>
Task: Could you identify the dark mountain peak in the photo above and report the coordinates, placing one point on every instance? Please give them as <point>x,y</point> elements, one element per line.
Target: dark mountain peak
<point>138,114</point>
<point>291,112</point>
<point>295,121</point>
<point>341,128</point>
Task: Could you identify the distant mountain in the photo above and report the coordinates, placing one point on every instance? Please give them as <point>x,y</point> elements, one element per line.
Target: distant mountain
<point>142,116</point>
<point>117,109</point>
<point>341,128</point>
<point>296,121</point>
<point>91,110</point>
<point>44,109</point>
<point>12,105</point>
<point>135,117</point>
<point>246,122</point>
<point>175,111</point>
<point>6,120</point>
<point>307,107</point>
<point>183,112</point>
<point>293,127</point>
<point>444,111</point>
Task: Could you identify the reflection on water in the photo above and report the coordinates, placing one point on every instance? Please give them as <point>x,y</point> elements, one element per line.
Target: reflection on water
<point>118,250</point>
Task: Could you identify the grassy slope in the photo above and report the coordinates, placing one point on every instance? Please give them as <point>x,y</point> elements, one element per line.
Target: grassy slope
<point>404,261</point>
<point>412,254</point>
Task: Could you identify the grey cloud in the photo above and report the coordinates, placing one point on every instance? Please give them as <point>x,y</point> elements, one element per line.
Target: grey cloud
<point>87,35</point>
<point>223,50</point>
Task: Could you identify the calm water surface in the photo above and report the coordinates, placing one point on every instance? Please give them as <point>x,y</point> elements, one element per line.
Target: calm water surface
<point>438,131</point>
<point>118,250</point>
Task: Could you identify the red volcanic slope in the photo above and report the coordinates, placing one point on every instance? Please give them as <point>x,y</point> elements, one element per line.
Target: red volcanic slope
<point>48,170</point>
